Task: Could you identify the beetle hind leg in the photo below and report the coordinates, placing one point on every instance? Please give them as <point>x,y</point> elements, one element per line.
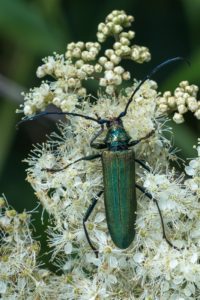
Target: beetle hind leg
<point>88,213</point>
<point>160,214</point>
<point>143,164</point>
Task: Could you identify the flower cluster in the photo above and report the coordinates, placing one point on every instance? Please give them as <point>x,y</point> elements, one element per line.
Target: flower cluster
<point>20,277</point>
<point>83,61</point>
<point>63,93</point>
<point>114,24</point>
<point>122,48</point>
<point>193,170</point>
<point>163,260</point>
<point>83,52</point>
<point>184,99</point>
<point>149,268</point>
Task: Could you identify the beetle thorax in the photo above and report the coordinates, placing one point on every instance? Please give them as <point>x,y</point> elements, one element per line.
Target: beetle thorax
<point>117,138</point>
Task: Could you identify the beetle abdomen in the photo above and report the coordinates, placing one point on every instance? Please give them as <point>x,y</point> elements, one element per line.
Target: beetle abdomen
<point>119,195</point>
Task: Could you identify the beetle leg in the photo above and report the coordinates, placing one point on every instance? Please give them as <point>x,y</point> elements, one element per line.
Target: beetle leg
<point>98,145</point>
<point>88,213</point>
<point>160,214</point>
<point>133,143</point>
<point>143,164</point>
<point>89,157</point>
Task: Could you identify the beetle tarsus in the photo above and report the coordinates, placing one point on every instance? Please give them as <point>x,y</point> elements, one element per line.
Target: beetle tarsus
<point>160,214</point>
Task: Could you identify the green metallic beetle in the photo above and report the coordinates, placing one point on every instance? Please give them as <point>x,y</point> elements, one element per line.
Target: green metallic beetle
<point>118,163</point>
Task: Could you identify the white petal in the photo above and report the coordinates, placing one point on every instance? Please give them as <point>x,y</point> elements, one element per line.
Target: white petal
<point>194,164</point>
<point>194,258</point>
<point>198,150</point>
<point>138,257</point>
<point>195,233</point>
<point>189,170</point>
<point>160,179</point>
<point>99,217</point>
<point>68,248</point>
<point>189,290</point>
<point>165,286</point>
<point>178,280</point>
<point>112,279</point>
<point>67,266</point>
<point>173,263</point>
<point>192,184</point>
<point>147,183</point>
<point>3,287</point>
<point>101,236</point>
<point>5,221</point>
<point>113,262</point>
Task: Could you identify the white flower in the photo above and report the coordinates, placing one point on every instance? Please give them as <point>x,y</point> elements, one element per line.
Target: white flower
<point>3,287</point>
<point>138,257</point>
<point>162,262</point>
<point>193,168</point>
<point>68,248</point>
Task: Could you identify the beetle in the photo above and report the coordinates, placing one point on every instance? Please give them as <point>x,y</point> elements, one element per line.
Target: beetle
<point>118,164</point>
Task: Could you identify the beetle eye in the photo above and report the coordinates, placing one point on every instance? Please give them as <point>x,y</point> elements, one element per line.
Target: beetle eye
<point>108,124</point>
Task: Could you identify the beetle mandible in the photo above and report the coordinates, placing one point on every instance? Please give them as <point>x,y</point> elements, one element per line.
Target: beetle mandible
<point>118,162</point>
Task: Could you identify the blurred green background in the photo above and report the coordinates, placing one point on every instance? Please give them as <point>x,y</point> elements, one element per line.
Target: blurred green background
<point>31,30</point>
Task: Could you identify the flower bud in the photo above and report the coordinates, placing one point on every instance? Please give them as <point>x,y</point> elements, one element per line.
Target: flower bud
<point>178,118</point>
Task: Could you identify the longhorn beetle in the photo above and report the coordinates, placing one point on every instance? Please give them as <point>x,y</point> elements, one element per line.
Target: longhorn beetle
<point>118,163</point>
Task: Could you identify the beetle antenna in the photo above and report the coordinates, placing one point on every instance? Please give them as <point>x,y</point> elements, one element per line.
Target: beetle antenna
<point>45,113</point>
<point>149,76</point>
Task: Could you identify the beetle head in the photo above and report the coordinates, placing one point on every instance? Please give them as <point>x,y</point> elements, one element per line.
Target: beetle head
<point>117,138</point>
<point>114,123</point>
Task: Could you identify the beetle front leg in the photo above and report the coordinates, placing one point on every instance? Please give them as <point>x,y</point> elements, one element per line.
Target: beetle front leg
<point>88,213</point>
<point>98,145</point>
<point>89,157</point>
<point>160,214</point>
<point>133,143</point>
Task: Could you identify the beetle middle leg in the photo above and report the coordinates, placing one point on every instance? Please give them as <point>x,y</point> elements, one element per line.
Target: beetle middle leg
<point>89,157</point>
<point>160,214</point>
<point>88,213</point>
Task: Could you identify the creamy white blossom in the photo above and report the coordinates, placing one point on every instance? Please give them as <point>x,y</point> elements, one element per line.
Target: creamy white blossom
<point>183,100</point>
<point>150,268</point>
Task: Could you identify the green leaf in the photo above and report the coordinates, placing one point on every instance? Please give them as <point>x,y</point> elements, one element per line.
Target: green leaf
<point>192,11</point>
<point>185,72</point>
<point>184,138</point>
<point>7,130</point>
<point>24,24</point>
